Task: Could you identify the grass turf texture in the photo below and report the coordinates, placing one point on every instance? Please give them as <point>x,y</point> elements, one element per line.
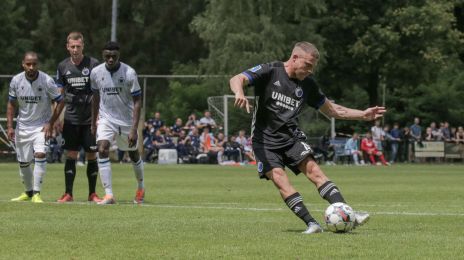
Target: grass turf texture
<point>209,212</point>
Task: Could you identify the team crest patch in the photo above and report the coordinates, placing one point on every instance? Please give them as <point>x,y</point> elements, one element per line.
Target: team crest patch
<point>40,89</point>
<point>121,80</point>
<point>260,167</point>
<point>255,68</point>
<point>85,72</point>
<point>299,92</point>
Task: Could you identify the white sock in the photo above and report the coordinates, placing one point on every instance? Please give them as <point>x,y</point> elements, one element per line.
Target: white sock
<point>104,167</point>
<point>40,167</point>
<point>25,171</point>
<point>138,171</point>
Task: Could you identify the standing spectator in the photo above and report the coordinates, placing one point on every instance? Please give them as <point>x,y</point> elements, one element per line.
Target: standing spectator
<point>352,147</point>
<point>436,132</point>
<point>416,130</point>
<point>32,92</point>
<point>445,130</point>
<point>207,120</point>
<point>395,134</point>
<point>378,135</point>
<point>429,134</point>
<point>459,135</point>
<point>368,146</point>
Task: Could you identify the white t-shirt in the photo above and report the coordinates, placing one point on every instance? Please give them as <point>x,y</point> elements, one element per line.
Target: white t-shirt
<point>116,91</point>
<point>34,99</point>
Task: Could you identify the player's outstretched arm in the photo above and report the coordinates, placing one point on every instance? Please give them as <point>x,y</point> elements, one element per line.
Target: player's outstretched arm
<point>237,83</point>
<point>340,112</point>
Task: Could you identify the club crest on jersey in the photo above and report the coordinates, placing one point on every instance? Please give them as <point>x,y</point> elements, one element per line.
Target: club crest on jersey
<point>299,92</point>
<point>255,68</point>
<point>40,89</point>
<point>121,80</point>
<point>85,71</point>
<point>260,167</point>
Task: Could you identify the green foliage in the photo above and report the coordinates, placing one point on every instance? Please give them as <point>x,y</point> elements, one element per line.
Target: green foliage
<point>413,47</point>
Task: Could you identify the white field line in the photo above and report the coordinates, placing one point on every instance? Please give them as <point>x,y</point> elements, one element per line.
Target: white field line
<point>125,203</point>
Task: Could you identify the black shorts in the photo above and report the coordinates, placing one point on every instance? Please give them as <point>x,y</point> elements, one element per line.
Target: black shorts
<point>77,136</point>
<point>290,156</point>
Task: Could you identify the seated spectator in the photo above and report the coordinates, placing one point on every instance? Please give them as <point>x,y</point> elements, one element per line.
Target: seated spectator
<point>368,147</point>
<point>352,148</point>
<point>245,146</point>
<point>207,121</point>
<point>156,121</point>
<point>148,143</point>
<point>209,145</point>
<point>232,149</point>
<point>194,139</point>
<point>168,139</point>
<point>177,127</point>
<point>220,143</point>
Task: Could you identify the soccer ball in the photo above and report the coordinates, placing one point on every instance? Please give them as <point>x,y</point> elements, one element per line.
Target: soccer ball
<point>339,218</point>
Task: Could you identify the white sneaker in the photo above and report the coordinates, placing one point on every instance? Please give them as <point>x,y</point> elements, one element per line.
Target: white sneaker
<point>313,228</point>
<point>360,219</point>
<point>79,163</point>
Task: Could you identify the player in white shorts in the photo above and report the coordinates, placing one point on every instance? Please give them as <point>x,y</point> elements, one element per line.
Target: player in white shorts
<point>117,103</point>
<point>33,92</point>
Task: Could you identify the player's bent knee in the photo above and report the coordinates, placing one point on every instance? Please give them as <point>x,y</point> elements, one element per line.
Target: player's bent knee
<point>91,156</point>
<point>71,155</point>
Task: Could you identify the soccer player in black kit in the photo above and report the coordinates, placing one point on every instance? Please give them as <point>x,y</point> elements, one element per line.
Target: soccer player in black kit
<point>73,78</point>
<point>281,90</point>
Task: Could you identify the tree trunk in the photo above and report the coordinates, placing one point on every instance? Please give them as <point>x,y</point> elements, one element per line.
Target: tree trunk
<point>373,87</point>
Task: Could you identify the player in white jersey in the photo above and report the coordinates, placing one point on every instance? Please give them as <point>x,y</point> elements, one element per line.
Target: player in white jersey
<point>33,92</point>
<point>117,103</point>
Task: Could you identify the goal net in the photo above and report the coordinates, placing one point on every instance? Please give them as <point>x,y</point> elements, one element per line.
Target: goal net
<point>231,118</point>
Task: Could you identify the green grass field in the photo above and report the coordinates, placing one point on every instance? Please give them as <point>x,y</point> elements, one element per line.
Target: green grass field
<point>210,212</point>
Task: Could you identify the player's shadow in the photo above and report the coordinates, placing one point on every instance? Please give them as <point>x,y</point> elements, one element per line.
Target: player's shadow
<point>351,233</point>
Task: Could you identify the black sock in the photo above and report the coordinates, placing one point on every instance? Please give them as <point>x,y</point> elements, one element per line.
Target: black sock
<point>35,192</point>
<point>69,175</point>
<point>29,193</point>
<point>92,174</point>
<point>331,193</point>
<point>295,203</point>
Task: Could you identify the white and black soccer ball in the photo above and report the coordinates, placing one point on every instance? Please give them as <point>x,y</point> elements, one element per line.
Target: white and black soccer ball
<point>339,217</point>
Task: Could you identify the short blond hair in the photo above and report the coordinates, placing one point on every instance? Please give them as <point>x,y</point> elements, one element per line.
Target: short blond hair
<point>308,48</point>
<point>75,36</point>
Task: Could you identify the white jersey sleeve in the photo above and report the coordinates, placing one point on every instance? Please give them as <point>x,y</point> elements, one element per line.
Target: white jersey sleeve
<point>53,90</point>
<point>12,95</point>
<point>134,81</point>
